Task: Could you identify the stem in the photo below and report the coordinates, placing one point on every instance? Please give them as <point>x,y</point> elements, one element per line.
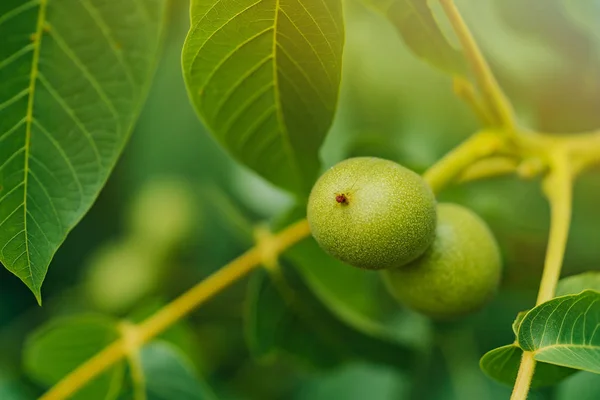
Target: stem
<point>172,313</point>
<point>129,337</point>
<point>480,145</point>
<point>464,90</point>
<point>558,187</point>
<point>559,190</point>
<point>586,150</point>
<point>524,377</point>
<point>489,168</point>
<point>493,95</point>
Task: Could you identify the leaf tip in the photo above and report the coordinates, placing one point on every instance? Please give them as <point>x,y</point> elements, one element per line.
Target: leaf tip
<point>37,293</point>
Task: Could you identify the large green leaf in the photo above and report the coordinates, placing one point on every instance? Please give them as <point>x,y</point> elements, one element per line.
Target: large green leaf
<point>159,371</point>
<point>264,76</point>
<point>284,315</point>
<point>565,331</point>
<point>418,28</point>
<point>73,76</point>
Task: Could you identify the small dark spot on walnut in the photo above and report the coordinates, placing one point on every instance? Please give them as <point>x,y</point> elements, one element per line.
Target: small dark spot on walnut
<point>341,198</point>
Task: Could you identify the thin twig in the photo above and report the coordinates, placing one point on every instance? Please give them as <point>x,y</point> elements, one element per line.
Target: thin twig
<point>479,146</point>
<point>465,91</point>
<point>558,187</point>
<point>490,167</point>
<point>493,96</point>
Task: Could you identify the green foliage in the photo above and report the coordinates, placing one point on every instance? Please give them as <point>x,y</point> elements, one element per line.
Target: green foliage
<point>161,217</point>
<point>578,283</point>
<point>502,365</point>
<point>59,347</point>
<point>356,382</point>
<point>583,386</point>
<point>517,322</point>
<point>414,21</point>
<point>167,374</point>
<point>74,77</point>
<point>283,314</point>
<point>560,332</point>
<point>62,345</point>
<point>11,389</point>
<point>547,322</point>
<point>563,331</point>
<point>264,76</point>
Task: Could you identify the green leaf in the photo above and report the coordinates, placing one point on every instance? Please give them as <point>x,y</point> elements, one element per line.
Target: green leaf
<point>565,331</point>
<point>502,365</point>
<point>264,76</point>
<point>167,374</point>
<point>73,76</point>
<point>418,28</point>
<point>356,381</point>
<point>517,322</point>
<point>160,370</point>
<point>578,283</point>
<point>355,296</point>
<point>283,315</point>
<point>62,345</point>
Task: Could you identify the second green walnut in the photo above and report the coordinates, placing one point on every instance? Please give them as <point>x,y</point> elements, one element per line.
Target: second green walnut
<point>457,275</point>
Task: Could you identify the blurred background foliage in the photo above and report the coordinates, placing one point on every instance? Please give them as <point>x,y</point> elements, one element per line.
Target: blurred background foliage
<point>177,208</point>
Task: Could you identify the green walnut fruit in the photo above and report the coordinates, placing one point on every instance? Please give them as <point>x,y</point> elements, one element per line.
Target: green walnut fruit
<point>372,213</point>
<point>457,275</point>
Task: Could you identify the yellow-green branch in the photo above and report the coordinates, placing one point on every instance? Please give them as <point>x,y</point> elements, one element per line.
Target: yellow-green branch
<point>172,313</point>
<point>449,168</point>
<point>558,187</point>
<point>494,98</point>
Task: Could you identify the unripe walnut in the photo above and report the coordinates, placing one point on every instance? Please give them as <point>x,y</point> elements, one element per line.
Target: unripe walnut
<point>457,275</point>
<point>372,213</point>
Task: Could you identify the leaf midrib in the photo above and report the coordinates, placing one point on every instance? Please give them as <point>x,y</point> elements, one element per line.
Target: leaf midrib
<point>287,145</point>
<point>37,44</point>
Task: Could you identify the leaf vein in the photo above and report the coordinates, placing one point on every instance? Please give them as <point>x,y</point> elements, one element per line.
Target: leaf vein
<point>66,48</point>
<point>71,113</point>
<point>311,46</point>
